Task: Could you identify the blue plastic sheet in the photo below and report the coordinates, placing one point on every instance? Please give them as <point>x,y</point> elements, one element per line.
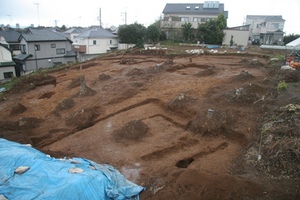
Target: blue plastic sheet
<point>49,178</point>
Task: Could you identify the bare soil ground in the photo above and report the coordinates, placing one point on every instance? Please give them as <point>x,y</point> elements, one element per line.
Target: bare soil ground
<point>183,126</point>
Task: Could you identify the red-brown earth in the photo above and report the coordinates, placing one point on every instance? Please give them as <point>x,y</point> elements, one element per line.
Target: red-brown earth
<point>183,126</point>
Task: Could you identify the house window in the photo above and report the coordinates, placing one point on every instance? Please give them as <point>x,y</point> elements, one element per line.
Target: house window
<point>53,45</point>
<point>23,48</point>
<point>37,47</point>
<point>184,19</point>
<point>197,19</point>
<point>60,51</point>
<point>8,74</point>
<point>275,25</point>
<point>203,19</point>
<point>15,46</point>
<point>94,42</point>
<point>110,41</point>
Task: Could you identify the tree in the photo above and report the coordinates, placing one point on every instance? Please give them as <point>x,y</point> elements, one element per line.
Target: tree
<point>212,31</point>
<point>153,34</point>
<point>132,34</point>
<point>289,38</point>
<point>187,31</point>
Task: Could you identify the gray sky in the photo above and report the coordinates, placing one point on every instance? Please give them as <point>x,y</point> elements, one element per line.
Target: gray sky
<point>85,12</point>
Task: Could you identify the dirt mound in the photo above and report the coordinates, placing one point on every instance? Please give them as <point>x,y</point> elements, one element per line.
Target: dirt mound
<point>103,77</point>
<point>16,137</point>
<point>135,72</point>
<point>247,94</point>
<point>17,109</point>
<point>30,82</point>
<point>63,105</point>
<point>243,76</point>
<point>280,146</point>
<point>209,123</point>
<point>288,75</point>
<point>183,105</point>
<point>134,130</point>
<point>74,83</point>
<point>83,118</point>
<point>255,63</point>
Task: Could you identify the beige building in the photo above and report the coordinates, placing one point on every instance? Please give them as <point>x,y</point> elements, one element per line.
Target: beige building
<point>177,14</point>
<point>239,35</point>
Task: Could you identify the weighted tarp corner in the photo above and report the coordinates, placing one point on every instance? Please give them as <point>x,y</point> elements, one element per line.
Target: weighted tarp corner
<point>50,178</point>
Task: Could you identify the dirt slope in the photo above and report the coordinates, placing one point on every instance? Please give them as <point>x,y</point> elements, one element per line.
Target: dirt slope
<point>185,127</point>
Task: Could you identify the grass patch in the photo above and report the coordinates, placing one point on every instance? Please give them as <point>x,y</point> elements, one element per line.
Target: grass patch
<point>282,85</point>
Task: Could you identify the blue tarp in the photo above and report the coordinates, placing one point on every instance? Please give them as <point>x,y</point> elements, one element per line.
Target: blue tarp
<point>49,178</point>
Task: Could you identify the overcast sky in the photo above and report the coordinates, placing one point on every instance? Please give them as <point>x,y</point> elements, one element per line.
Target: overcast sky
<point>85,12</point>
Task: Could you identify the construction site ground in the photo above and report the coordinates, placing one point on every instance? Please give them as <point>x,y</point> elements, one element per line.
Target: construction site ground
<point>216,125</point>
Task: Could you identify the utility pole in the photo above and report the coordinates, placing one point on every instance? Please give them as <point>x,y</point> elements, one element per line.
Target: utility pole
<point>100,16</point>
<point>125,16</point>
<point>37,5</point>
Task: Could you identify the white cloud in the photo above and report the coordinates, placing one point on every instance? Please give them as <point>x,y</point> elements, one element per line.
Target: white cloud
<point>85,13</point>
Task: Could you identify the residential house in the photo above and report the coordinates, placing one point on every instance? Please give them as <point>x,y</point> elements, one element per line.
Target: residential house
<point>12,38</point>
<point>266,29</point>
<point>94,42</point>
<point>177,14</point>
<point>43,48</point>
<point>7,65</point>
<point>239,35</point>
<point>72,33</point>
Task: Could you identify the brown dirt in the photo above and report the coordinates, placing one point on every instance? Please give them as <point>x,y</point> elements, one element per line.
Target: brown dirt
<point>183,128</point>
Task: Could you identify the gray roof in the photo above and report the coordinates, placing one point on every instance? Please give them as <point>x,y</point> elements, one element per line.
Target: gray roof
<point>97,32</point>
<point>266,17</point>
<point>75,30</point>
<point>43,35</point>
<point>22,56</point>
<point>193,9</point>
<point>11,36</point>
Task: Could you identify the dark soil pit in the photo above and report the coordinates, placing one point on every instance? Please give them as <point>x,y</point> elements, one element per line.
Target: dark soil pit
<point>47,95</point>
<point>206,72</point>
<point>83,118</point>
<point>29,122</point>
<point>17,109</point>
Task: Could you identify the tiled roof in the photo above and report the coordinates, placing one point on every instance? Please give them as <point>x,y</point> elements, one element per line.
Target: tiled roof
<point>192,9</point>
<point>97,32</point>
<point>22,56</point>
<point>43,35</point>
<point>75,30</point>
<point>266,17</point>
<point>11,36</point>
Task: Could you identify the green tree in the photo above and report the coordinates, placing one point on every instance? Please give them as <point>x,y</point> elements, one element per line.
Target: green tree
<point>212,31</point>
<point>132,34</point>
<point>187,31</point>
<point>153,34</point>
<point>289,38</point>
<point>63,28</point>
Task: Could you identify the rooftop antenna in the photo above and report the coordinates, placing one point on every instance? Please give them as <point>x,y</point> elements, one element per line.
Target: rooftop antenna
<point>37,6</point>
<point>55,21</point>
<point>99,18</point>
<point>125,16</point>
